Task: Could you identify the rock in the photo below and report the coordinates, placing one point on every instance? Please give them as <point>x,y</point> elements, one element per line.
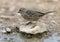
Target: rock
<point>33,29</point>
<point>6,31</point>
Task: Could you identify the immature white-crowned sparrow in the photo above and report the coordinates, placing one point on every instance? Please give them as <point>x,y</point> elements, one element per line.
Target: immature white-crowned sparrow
<point>31,15</point>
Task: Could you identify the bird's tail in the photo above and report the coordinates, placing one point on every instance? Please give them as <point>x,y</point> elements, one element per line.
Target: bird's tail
<point>50,12</point>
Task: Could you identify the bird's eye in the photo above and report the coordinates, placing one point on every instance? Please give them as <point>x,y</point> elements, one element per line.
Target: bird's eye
<point>19,11</point>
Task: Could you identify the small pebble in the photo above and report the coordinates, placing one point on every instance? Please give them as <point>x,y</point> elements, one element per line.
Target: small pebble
<point>8,29</point>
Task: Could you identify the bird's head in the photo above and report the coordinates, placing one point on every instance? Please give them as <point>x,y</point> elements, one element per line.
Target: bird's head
<point>22,10</point>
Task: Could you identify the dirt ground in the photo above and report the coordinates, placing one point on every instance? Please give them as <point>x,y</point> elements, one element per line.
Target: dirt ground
<point>9,17</point>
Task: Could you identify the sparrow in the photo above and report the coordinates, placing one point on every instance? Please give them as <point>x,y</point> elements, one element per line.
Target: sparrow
<point>31,15</point>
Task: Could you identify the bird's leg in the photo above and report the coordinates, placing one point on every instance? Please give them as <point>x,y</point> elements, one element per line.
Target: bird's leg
<point>29,22</point>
